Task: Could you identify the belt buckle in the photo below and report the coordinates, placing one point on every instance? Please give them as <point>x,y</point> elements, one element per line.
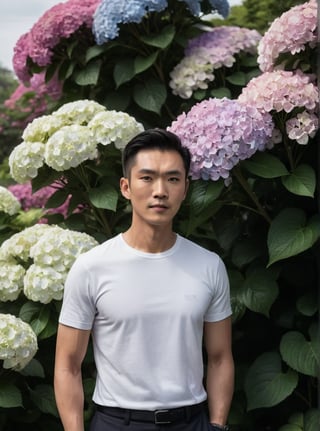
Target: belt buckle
<point>157,417</point>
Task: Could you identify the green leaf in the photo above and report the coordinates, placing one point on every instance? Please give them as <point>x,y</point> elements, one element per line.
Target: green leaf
<point>143,63</point>
<point>46,176</point>
<point>57,198</point>
<point>265,165</point>
<point>41,321</point>
<point>291,234</point>
<point>308,304</point>
<point>150,95</point>
<point>302,181</point>
<point>161,40</point>
<point>259,290</point>
<point>105,197</point>
<point>33,369</point>
<point>28,310</point>
<point>300,354</point>
<point>266,385</point>
<point>123,71</point>
<point>237,78</point>
<point>10,396</point>
<point>203,194</point>
<point>43,397</point>
<point>221,92</point>
<point>94,51</point>
<point>89,75</point>
<point>118,100</point>
<point>312,420</point>
<point>246,251</point>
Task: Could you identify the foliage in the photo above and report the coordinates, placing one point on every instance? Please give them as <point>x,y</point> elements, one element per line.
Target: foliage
<point>264,220</point>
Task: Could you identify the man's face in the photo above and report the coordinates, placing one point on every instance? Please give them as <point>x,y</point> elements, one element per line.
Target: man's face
<point>156,186</point>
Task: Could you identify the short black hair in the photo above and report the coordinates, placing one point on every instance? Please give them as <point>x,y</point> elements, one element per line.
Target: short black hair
<point>156,139</point>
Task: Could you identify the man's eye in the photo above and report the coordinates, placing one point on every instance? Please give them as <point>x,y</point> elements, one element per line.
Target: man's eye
<point>146,178</point>
<point>174,179</point>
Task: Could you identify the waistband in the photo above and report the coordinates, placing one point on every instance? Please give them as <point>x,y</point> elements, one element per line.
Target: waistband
<point>158,417</point>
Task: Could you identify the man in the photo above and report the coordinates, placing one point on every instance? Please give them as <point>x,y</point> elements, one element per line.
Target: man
<point>145,297</point>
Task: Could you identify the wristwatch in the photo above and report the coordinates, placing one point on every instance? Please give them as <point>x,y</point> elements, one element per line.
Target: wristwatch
<point>217,427</point>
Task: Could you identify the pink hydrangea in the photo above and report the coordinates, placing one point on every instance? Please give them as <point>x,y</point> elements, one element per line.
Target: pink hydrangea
<point>28,200</point>
<point>301,127</point>
<point>206,53</point>
<point>281,91</point>
<point>221,132</point>
<point>291,32</point>
<point>60,21</point>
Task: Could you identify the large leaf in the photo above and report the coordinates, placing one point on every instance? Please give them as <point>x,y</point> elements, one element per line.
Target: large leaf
<point>143,63</point>
<point>259,290</point>
<point>266,166</point>
<point>203,194</point>
<point>237,78</point>
<point>28,310</point>
<point>34,369</point>
<point>150,95</point>
<point>124,71</point>
<point>10,396</point>
<point>161,40</point>
<point>302,181</point>
<point>105,197</point>
<point>300,354</point>
<point>312,420</point>
<point>43,397</point>
<point>266,385</point>
<point>89,75</point>
<point>41,321</point>
<point>290,233</point>
<point>308,304</point>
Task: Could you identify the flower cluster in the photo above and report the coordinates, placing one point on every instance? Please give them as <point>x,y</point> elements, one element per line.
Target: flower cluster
<point>8,202</point>
<point>52,250</point>
<point>68,137</point>
<point>109,15</point>
<point>209,51</point>
<point>290,33</point>
<point>38,199</point>
<point>281,91</point>
<point>301,127</point>
<point>60,21</point>
<point>221,132</point>
<point>18,342</point>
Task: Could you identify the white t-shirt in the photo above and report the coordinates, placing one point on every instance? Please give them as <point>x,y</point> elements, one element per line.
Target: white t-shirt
<point>146,312</point>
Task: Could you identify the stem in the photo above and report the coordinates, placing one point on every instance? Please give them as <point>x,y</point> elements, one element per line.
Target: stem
<point>244,183</point>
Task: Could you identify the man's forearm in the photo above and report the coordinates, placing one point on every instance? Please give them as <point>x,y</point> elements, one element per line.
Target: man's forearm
<point>220,385</point>
<point>70,399</point>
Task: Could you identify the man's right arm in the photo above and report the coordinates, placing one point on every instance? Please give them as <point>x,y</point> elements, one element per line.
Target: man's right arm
<point>71,348</point>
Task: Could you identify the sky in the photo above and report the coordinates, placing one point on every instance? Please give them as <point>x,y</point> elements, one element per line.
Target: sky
<point>18,16</point>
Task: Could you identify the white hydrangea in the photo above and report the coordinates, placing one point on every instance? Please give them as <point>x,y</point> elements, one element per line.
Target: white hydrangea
<point>70,146</point>
<point>25,160</point>
<point>114,126</point>
<point>18,342</point>
<point>8,202</point>
<point>43,283</point>
<point>78,112</point>
<point>19,244</point>
<point>41,128</point>
<point>11,280</point>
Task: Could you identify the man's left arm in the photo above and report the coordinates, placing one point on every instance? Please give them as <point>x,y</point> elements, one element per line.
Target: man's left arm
<point>220,371</point>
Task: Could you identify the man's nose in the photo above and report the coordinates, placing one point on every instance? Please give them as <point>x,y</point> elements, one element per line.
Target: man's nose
<point>160,190</point>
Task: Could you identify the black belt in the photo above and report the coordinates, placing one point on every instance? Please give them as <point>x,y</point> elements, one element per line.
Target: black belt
<point>158,417</point>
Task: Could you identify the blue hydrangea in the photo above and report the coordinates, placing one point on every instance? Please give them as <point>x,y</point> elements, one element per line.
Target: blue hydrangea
<point>110,14</point>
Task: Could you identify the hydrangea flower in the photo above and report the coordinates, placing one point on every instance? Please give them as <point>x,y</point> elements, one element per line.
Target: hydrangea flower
<point>109,14</point>
<point>113,126</point>
<point>44,284</point>
<point>11,280</point>
<point>291,32</point>
<point>8,202</point>
<point>280,91</point>
<point>60,21</point>
<point>18,342</point>
<point>301,127</point>
<point>221,132</point>
<point>68,137</point>
<point>210,51</point>
<point>25,160</point>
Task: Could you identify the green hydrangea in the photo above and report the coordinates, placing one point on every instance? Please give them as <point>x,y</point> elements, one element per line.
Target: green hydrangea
<point>25,160</point>
<point>8,202</point>
<point>11,280</point>
<point>18,342</point>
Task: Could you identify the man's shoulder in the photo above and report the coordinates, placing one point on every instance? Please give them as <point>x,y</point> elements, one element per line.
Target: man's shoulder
<point>100,249</point>
<point>194,247</point>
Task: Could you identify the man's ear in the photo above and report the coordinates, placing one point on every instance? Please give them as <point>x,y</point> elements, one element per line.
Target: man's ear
<point>125,187</point>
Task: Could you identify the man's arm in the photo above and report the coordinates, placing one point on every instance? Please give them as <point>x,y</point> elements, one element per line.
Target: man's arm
<point>220,371</point>
<point>70,351</point>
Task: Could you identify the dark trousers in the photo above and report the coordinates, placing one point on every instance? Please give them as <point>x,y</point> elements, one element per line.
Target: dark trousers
<point>105,422</point>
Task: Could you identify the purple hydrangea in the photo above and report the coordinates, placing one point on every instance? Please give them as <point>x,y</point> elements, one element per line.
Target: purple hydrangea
<point>221,132</point>
<point>60,21</point>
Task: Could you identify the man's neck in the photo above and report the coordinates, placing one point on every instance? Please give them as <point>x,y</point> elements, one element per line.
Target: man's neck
<point>150,240</point>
